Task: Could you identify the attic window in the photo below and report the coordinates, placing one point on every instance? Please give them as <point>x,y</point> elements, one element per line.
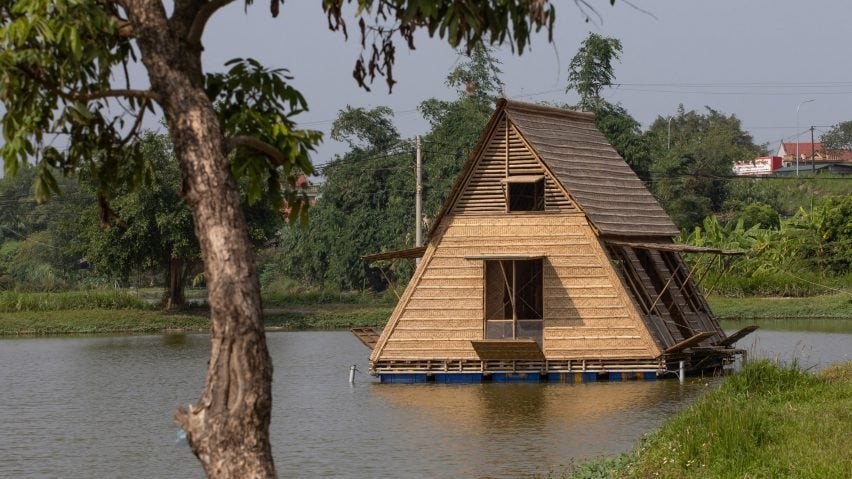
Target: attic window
<point>514,299</point>
<point>525,193</point>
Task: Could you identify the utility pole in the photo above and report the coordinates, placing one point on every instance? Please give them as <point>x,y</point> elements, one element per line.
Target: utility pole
<point>813,153</point>
<point>418,201</point>
<point>798,107</point>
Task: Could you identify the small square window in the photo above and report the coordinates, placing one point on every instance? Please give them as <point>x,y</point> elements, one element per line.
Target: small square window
<point>526,196</point>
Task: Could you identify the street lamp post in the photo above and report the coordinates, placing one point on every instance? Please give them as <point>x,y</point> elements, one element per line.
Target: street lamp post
<point>669,142</point>
<point>797,132</point>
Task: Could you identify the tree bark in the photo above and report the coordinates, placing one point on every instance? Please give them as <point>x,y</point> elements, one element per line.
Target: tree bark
<point>175,296</point>
<point>228,429</point>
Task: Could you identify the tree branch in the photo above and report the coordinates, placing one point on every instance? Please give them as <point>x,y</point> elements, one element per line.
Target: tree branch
<point>260,146</point>
<point>141,94</point>
<point>200,21</point>
<point>125,29</point>
<point>137,123</point>
<point>42,79</point>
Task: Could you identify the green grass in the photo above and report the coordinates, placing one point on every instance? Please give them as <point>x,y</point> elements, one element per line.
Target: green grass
<point>322,296</point>
<point>328,317</point>
<point>767,421</point>
<point>12,301</point>
<point>89,321</point>
<point>98,321</point>
<point>833,306</point>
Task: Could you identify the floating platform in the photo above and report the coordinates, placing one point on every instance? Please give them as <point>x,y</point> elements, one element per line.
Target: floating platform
<point>478,378</point>
<point>697,363</point>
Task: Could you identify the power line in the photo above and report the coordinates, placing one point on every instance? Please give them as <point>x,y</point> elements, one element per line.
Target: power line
<point>734,93</point>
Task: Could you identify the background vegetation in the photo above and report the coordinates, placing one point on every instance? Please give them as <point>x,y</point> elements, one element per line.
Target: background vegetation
<point>796,233</point>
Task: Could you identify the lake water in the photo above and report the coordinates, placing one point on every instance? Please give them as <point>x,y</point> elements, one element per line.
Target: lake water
<point>84,407</point>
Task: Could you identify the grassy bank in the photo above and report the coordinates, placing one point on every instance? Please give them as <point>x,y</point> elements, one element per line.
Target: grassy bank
<point>102,321</point>
<point>104,311</point>
<point>832,306</point>
<point>13,301</point>
<point>768,421</point>
<point>327,316</point>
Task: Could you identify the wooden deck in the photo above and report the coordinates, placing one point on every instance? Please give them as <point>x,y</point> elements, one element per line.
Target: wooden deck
<point>368,336</point>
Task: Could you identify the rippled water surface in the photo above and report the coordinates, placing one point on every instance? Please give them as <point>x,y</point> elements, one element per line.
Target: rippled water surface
<point>102,406</point>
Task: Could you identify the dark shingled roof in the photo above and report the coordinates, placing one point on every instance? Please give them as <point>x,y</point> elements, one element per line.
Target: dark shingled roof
<point>599,180</point>
<point>588,167</point>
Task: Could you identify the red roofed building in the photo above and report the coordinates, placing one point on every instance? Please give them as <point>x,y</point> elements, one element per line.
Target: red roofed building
<point>787,151</point>
<point>303,186</point>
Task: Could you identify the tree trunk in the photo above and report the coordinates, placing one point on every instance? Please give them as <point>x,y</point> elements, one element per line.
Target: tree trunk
<point>175,296</point>
<point>228,429</point>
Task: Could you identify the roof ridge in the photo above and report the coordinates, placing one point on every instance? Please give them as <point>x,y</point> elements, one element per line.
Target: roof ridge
<point>547,110</point>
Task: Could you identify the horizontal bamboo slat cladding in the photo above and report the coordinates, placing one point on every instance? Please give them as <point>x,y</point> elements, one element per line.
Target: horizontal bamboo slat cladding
<point>452,281</point>
<point>473,287</point>
<point>546,221</point>
<point>438,324</point>
<point>561,318</point>
<point>519,248</point>
<point>407,355</point>
<point>557,332</point>
<point>592,353</point>
<point>577,291</point>
<point>453,294</point>
<point>456,267</point>
<point>498,234</point>
<point>569,301</point>
<point>441,315</point>
<point>447,312</point>
<point>456,334</point>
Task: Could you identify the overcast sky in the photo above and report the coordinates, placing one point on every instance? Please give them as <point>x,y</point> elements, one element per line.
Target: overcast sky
<point>756,59</point>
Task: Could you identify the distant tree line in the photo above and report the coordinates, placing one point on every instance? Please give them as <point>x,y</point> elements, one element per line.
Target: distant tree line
<point>145,236</point>
<point>141,236</point>
<point>367,199</point>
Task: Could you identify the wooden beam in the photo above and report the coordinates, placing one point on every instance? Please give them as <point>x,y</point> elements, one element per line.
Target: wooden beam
<point>690,341</point>
<point>730,340</point>
<point>677,248</point>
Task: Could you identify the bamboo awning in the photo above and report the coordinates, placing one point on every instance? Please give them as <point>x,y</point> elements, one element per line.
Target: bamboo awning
<point>507,349</point>
<point>677,248</point>
<point>730,340</point>
<point>368,336</point>
<point>690,341</point>
<point>417,252</point>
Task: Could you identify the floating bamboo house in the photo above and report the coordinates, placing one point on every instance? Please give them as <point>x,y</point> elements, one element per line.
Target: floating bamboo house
<point>549,260</point>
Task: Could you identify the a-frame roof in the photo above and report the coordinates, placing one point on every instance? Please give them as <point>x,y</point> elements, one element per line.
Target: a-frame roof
<point>610,194</point>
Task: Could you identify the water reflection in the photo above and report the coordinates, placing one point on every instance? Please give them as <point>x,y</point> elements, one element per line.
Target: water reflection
<point>810,343</point>
<point>102,406</point>
<point>506,430</point>
<point>174,339</point>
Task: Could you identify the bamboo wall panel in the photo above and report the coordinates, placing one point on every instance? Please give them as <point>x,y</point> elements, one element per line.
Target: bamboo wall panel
<point>506,153</point>
<point>587,312</point>
<point>439,314</point>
